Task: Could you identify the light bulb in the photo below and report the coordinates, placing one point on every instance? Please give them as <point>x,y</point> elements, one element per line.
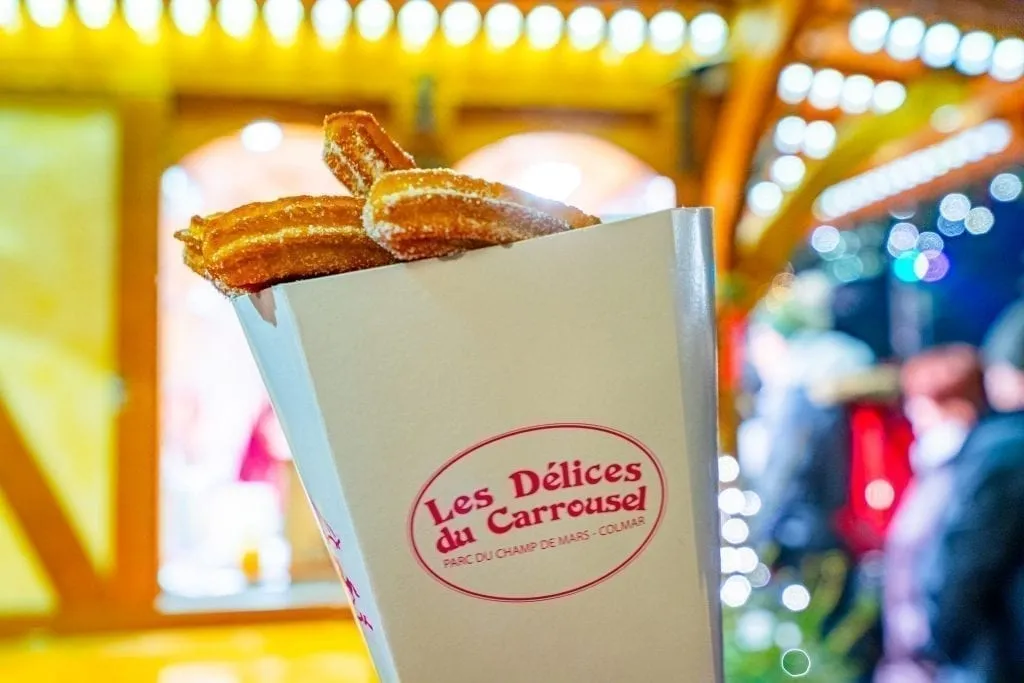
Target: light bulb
<point>47,13</point>
<point>868,30</point>
<point>585,27</point>
<point>460,22</point>
<point>503,25</point>
<point>374,18</point>
<point>708,34</point>
<point>544,26</point>
<point>795,82</point>
<point>283,19</point>
<point>668,31</point>
<point>939,48</point>
<point>417,23</point>
<point>190,16</point>
<point>236,17</point>
<point>95,14</point>
<point>905,38</point>
<point>1008,60</point>
<point>331,20</point>
<point>975,53</point>
<point>627,30</point>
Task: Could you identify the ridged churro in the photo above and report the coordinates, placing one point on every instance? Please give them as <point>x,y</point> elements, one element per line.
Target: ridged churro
<point>358,151</point>
<point>422,213</point>
<point>264,243</point>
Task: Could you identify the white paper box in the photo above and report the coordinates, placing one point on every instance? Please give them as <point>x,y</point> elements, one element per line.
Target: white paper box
<point>553,404</point>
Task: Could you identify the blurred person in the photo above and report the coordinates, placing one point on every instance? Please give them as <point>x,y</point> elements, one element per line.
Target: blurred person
<point>974,583</point>
<point>943,398</point>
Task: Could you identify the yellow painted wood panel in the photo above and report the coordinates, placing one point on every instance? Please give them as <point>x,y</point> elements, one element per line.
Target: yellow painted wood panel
<point>58,253</point>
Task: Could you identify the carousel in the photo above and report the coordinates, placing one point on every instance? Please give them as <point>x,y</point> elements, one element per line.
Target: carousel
<point>144,481</point>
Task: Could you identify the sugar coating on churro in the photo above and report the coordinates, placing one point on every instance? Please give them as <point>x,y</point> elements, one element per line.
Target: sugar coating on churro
<point>260,244</point>
<point>422,213</point>
<point>358,151</point>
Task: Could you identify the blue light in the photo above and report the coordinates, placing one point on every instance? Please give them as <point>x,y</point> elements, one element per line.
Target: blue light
<point>903,266</point>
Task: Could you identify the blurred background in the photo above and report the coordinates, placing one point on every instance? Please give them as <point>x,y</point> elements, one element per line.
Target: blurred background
<point>863,160</point>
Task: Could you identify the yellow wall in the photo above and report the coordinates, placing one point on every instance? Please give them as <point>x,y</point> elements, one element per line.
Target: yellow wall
<point>58,253</point>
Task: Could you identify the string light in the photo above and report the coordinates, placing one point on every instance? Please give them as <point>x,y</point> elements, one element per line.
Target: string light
<point>1008,60</point>
<point>374,19</point>
<point>888,96</point>
<point>857,93</point>
<point>544,26</point>
<point>708,34</point>
<point>819,139</point>
<point>237,17</point>
<point>971,145</point>
<point>460,22</point>
<point>94,14</point>
<point>283,19</point>
<point>627,29</point>
<point>765,198</point>
<point>47,13</point>
<point>868,30</point>
<point>503,25</point>
<point>939,48</point>
<point>905,37</point>
<point>728,469</point>
<point>585,27</point>
<point>787,171</point>
<point>190,16</point>
<point>795,82</point>
<point>10,15</point>
<point>668,31</point>
<point>143,16</point>
<point>331,20</point>
<point>417,23</point>
<point>826,88</point>
<point>789,134</point>
<point>975,53</point>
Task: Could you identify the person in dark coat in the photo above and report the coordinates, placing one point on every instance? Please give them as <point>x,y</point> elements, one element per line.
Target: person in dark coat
<point>974,579</point>
<point>943,399</point>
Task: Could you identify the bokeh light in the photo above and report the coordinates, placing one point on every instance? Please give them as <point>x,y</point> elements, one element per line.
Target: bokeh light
<point>728,469</point>
<point>764,198</point>
<point>1005,187</point>
<point>417,22</point>
<point>627,31</point>
<point>975,53</point>
<point>939,48</point>
<point>905,37</point>
<point>796,598</point>
<point>374,19</point>
<point>788,171</point>
<point>284,18</point>
<point>668,31</point>
<point>954,206</point>
<point>735,591</point>
<point>789,134</point>
<point>979,220</point>
<point>331,19</point>
<point>94,14</point>
<point>503,25</point>
<point>708,34</point>
<point>824,239</point>
<point>237,17</point>
<point>544,26</point>
<point>868,30</point>
<point>585,26</point>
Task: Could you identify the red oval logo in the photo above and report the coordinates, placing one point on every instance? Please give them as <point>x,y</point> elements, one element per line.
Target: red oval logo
<point>538,513</point>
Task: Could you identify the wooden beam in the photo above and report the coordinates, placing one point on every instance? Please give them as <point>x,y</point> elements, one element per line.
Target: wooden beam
<point>136,493</point>
<point>744,114</point>
<point>762,257</point>
<point>46,526</point>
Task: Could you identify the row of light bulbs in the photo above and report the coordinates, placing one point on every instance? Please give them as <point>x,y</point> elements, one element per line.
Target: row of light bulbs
<point>939,46</point>
<point>827,89</point>
<point>625,31</point>
<point>967,147</point>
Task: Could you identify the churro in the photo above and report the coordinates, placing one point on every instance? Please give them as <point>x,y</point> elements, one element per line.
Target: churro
<point>264,243</point>
<point>422,213</point>
<point>358,151</point>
